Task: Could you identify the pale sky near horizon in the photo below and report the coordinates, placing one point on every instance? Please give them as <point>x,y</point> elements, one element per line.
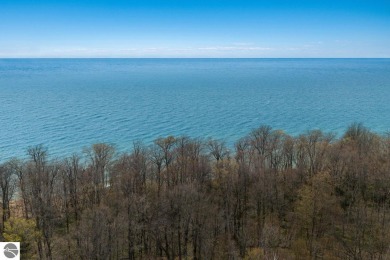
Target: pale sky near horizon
<point>194,28</point>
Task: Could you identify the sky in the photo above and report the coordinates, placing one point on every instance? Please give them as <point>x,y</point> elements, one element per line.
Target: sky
<point>195,29</point>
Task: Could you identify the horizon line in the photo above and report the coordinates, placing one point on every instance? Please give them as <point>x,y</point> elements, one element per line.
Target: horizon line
<point>4,58</point>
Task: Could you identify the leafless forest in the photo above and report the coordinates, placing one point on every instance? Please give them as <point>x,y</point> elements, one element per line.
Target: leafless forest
<point>272,196</point>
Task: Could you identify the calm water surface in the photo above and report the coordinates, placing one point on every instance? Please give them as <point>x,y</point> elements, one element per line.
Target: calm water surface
<point>68,104</point>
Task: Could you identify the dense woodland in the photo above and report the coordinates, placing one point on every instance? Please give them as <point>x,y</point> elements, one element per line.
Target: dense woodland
<point>273,196</point>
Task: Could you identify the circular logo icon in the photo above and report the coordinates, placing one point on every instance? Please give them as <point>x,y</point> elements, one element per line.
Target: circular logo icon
<point>10,250</point>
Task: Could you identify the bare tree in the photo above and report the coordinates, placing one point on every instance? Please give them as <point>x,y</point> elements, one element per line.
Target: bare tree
<point>42,177</point>
<point>217,149</point>
<point>7,190</point>
<point>100,156</point>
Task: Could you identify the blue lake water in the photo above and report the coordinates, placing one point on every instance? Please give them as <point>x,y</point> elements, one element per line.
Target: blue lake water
<point>68,104</point>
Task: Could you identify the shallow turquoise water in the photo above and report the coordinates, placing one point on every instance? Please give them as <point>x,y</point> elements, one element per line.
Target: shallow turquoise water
<point>68,104</point>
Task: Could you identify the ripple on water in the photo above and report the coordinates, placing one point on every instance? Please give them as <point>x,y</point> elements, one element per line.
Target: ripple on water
<point>70,104</point>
